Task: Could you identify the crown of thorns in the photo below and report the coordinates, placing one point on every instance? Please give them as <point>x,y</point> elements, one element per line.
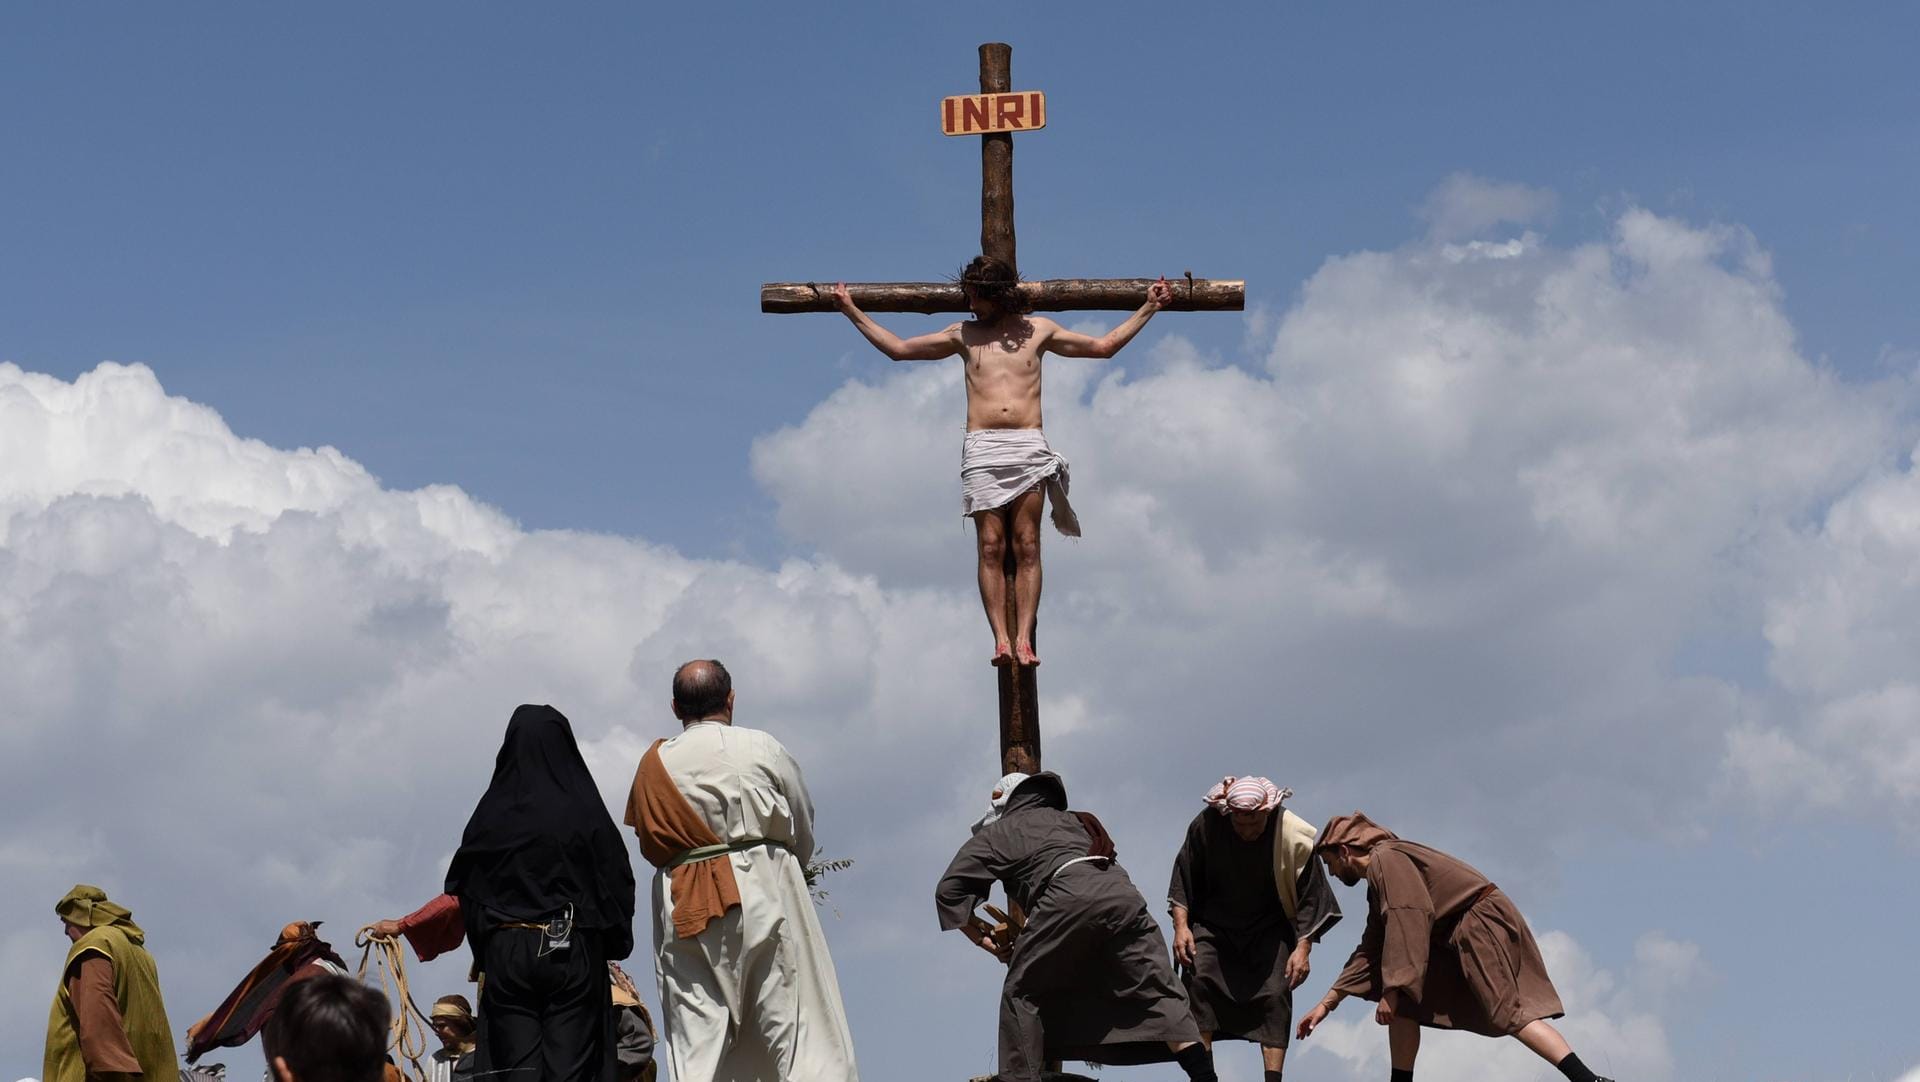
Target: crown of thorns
<point>989,278</point>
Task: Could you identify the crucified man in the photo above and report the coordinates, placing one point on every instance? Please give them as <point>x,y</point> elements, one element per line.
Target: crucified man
<point>1007,471</point>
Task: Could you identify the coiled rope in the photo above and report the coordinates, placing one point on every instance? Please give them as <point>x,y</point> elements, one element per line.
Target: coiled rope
<point>410,1025</point>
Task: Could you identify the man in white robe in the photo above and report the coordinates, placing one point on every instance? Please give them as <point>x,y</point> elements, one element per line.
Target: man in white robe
<point>747,988</point>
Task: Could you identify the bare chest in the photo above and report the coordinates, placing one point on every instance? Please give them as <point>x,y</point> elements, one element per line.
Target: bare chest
<point>1009,354</point>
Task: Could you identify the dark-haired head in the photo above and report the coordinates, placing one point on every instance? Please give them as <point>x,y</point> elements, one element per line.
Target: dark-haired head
<point>702,689</point>
<point>328,1029</point>
<point>992,287</point>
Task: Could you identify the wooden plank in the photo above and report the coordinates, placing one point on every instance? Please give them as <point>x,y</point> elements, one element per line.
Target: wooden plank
<point>1047,295</point>
<point>985,114</point>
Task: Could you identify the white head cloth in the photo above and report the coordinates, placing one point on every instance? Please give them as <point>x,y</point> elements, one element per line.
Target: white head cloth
<point>997,803</point>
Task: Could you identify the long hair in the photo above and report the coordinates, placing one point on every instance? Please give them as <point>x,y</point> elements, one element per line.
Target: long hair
<point>993,281</point>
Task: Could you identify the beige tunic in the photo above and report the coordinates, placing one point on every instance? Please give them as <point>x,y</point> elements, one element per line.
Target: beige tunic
<point>1450,943</point>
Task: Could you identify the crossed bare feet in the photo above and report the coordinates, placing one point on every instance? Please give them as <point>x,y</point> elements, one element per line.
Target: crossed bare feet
<point>1019,653</point>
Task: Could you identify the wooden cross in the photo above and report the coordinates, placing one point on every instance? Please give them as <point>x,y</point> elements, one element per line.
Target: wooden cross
<point>1001,113</point>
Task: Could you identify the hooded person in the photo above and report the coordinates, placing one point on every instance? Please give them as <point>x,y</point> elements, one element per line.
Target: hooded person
<point>542,892</point>
<point>299,953</point>
<point>1443,948</point>
<point>107,1017</point>
<point>1248,902</point>
<point>1087,978</point>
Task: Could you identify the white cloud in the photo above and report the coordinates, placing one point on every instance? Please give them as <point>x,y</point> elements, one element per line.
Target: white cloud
<point>1464,205</point>
<point>248,685</point>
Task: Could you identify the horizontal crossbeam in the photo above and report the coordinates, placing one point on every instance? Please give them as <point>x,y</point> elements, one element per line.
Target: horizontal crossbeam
<point>1050,295</point>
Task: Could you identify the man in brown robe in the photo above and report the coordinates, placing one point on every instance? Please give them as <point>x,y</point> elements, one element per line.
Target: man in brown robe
<point>1088,978</point>
<point>1443,947</point>
<point>1248,902</point>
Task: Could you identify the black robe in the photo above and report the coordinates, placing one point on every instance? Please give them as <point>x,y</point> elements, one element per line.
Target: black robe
<point>541,842</point>
<point>1241,933</point>
<point>1089,978</point>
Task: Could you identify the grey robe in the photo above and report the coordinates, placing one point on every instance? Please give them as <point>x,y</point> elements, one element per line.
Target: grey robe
<point>1241,932</point>
<point>1089,978</point>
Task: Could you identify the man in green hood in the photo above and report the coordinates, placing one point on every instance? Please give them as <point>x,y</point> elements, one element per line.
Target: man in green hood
<point>107,1019</point>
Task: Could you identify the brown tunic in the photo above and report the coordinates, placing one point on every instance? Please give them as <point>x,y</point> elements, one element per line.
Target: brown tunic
<point>1450,943</point>
<point>103,1035</point>
<point>1241,932</point>
<point>669,828</point>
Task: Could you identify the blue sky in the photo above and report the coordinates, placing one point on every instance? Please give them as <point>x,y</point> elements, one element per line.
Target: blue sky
<point>517,251</point>
<point>375,227</point>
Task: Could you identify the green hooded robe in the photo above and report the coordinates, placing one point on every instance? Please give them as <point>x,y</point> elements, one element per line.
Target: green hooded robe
<point>111,934</point>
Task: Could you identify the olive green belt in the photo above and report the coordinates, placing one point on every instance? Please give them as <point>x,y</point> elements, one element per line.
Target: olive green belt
<point>708,852</point>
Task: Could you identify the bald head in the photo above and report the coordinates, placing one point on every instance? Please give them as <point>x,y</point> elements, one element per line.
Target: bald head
<point>702,690</point>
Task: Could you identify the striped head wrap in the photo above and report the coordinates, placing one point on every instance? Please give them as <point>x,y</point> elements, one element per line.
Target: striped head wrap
<point>1246,795</point>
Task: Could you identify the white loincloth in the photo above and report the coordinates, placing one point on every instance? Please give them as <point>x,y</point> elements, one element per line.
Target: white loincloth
<point>999,464</point>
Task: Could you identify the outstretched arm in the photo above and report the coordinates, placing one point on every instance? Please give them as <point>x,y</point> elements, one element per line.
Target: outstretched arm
<point>1074,344</point>
<point>926,347</point>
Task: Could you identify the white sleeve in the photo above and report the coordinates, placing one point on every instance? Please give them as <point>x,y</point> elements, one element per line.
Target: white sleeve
<point>786,775</point>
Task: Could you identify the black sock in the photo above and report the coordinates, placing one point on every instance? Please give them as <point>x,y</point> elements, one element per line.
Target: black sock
<point>1399,1075</point>
<point>1269,1076</point>
<point>1575,1070</point>
<point>1197,1061</point>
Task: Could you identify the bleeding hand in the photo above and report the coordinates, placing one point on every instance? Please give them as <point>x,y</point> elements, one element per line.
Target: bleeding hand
<point>1160,294</point>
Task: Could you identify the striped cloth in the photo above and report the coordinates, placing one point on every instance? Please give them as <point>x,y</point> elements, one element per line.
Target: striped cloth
<point>1246,794</point>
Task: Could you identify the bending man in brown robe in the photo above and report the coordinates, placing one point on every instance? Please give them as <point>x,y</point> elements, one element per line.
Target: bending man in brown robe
<point>1443,947</point>
<point>1088,978</point>
<point>1248,903</point>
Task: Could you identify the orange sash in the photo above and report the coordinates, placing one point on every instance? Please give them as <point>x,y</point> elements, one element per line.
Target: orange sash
<point>704,889</point>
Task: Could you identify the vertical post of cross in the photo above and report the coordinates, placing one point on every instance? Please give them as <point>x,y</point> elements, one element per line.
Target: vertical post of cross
<point>996,161</point>
<point>1019,688</point>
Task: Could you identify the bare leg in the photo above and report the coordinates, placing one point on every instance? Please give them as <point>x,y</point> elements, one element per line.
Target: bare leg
<point>990,537</point>
<point>1545,1041</point>
<point>1026,573</point>
<point>1272,1060</point>
<point>1403,1043</point>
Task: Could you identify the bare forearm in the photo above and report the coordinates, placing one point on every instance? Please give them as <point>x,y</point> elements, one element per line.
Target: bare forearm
<point>883,339</point>
<point>1114,340</point>
<point>1179,918</point>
